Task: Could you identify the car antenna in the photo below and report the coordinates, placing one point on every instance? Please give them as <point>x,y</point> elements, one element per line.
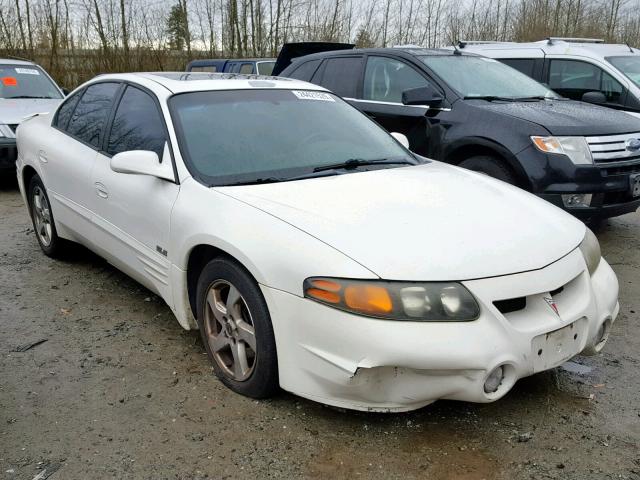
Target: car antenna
<point>629,47</point>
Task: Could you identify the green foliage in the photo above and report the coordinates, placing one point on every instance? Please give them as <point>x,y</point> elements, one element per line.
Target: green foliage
<point>177,27</point>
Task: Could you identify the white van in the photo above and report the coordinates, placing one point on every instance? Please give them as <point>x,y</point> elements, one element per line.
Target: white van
<point>577,68</point>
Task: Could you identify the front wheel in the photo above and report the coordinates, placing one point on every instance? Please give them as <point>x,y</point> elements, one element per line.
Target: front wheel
<point>236,329</point>
<point>490,166</point>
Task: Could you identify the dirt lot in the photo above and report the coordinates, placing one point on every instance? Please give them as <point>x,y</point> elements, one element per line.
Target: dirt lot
<point>119,390</point>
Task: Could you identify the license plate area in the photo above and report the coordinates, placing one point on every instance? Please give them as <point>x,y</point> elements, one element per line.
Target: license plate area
<point>635,185</point>
<point>554,348</point>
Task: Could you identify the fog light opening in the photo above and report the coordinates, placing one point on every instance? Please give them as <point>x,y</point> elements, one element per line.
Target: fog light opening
<point>603,334</point>
<point>494,380</point>
<point>577,200</point>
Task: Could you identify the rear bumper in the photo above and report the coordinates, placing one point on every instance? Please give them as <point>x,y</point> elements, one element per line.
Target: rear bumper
<point>8,153</point>
<point>367,364</point>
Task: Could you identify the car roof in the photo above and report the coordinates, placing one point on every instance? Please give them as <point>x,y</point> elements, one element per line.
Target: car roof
<point>15,61</point>
<point>559,46</point>
<point>179,82</point>
<point>401,51</point>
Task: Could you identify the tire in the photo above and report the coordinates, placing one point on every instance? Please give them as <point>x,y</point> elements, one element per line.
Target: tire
<point>42,218</point>
<point>490,166</point>
<point>230,307</point>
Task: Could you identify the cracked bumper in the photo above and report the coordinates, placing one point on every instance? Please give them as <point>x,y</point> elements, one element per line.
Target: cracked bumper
<point>360,363</point>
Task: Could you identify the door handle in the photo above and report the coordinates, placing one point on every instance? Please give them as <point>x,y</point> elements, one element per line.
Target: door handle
<point>42,156</point>
<point>101,190</point>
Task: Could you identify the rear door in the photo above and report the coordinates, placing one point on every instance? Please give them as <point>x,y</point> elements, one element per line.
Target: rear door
<point>68,158</point>
<point>133,211</point>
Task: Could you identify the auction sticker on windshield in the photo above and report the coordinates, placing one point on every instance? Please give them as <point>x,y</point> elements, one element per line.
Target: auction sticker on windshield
<point>27,71</point>
<point>306,95</point>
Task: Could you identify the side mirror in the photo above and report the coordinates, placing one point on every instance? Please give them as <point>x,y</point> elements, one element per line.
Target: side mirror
<point>597,98</point>
<point>401,138</point>
<point>141,162</point>
<point>66,91</point>
<point>426,96</point>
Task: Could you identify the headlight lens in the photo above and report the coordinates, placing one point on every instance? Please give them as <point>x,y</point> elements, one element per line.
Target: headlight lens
<point>590,248</point>
<point>412,301</point>
<point>576,148</point>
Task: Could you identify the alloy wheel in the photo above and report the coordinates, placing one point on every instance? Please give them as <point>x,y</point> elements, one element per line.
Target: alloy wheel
<point>229,331</point>
<point>41,215</point>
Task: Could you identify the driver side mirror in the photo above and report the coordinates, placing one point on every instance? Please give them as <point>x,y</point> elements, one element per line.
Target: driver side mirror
<point>597,98</point>
<point>142,162</point>
<point>426,96</point>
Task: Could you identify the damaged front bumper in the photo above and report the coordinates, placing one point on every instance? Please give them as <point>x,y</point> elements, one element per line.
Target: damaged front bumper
<point>361,363</point>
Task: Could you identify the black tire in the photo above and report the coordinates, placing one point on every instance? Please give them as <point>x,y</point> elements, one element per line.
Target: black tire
<point>55,246</point>
<point>218,274</point>
<point>490,166</point>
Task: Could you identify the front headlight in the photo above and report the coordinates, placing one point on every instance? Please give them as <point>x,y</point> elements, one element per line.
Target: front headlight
<point>413,301</point>
<point>590,248</point>
<point>576,148</point>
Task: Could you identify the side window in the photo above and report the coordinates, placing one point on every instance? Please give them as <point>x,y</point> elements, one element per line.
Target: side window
<point>573,78</point>
<point>385,79</point>
<point>523,65</point>
<point>306,70</point>
<point>246,68</point>
<point>137,124</point>
<point>65,111</point>
<point>90,115</point>
<point>341,75</point>
<point>206,68</point>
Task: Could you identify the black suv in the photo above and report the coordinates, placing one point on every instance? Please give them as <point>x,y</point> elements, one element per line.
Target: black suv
<point>478,113</point>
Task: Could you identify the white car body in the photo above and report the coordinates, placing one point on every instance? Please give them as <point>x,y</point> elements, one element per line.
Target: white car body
<point>593,52</point>
<point>431,222</point>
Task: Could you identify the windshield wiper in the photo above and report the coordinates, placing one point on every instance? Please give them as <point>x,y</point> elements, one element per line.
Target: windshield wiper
<point>353,163</point>
<point>28,96</point>
<point>260,181</point>
<point>490,98</point>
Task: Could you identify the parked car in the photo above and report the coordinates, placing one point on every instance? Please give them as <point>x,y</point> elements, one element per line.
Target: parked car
<point>311,249</point>
<point>480,114</point>
<point>245,66</point>
<point>25,89</point>
<point>577,68</point>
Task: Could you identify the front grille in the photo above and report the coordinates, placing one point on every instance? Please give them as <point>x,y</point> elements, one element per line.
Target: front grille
<point>612,149</point>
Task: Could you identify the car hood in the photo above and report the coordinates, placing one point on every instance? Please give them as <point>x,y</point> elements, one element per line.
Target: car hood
<point>427,222</point>
<point>12,112</point>
<point>566,117</point>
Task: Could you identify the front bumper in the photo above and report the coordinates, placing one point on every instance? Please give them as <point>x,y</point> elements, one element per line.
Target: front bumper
<point>8,153</point>
<point>360,363</point>
<point>551,176</point>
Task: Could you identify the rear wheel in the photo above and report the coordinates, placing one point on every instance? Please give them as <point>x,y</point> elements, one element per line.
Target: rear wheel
<point>490,166</point>
<point>42,218</point>
<point>236,329</point>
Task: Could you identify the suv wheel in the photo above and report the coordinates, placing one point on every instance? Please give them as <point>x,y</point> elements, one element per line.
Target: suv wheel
<point>490,166</point>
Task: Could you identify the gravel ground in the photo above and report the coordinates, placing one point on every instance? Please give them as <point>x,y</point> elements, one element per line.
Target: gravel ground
<point>119,390</point>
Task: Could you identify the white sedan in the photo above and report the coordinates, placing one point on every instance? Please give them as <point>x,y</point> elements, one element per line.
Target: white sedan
<point>311,249</point>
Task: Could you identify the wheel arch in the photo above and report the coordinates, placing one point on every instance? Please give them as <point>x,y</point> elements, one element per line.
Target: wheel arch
<point>197,257</point>
<point>468,148</point>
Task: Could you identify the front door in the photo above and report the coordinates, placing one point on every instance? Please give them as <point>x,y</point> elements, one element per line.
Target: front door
<point>133,211</point>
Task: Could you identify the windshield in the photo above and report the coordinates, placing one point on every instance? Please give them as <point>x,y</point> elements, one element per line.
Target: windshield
<point>243,136</point>
<point>28,81</point>
<point>473,76</point>
<point>629,65</point>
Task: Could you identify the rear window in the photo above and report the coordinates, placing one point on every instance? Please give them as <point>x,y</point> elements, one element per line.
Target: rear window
<point>26,81</point>
<point>341,75</point>
<point>265,68</point>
